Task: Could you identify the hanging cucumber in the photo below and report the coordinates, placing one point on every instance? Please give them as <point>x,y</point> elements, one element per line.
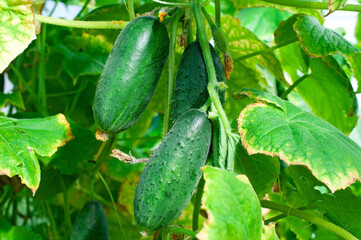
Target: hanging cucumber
<point>173,171</point>
<point>192,80</point>
<point>91,223</point>
<point>130,74</point>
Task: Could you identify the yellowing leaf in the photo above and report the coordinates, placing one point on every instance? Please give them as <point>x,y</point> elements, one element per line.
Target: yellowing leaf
<point>17,29</point>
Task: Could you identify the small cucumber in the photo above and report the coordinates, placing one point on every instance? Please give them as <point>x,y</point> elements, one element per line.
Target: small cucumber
<point>192,80</point>
<point>130,74</point>
<point>173,171</point>
<point>91,223</point>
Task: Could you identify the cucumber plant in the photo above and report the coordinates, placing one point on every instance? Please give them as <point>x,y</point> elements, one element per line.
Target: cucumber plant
<point>255,107</point>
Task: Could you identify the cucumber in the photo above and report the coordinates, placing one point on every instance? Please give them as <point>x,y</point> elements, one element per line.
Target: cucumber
<point>192,80</point>
<point>130,74</point>
<point>91,223</point>
<point>173,171</point>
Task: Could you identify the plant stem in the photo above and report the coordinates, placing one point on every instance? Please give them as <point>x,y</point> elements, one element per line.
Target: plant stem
<point>42,86</point>
<point>217,4</point>
<point>208,17</point>
<point>308,217</point>
<point>182,230</point>
<point>14,210</point>
<point>239,59</point>
<point>102,154</point>
<point>51,218</point>
<point>313,5</point>
<point>83,8</point>
<point>83,85</point>
<point>112,200</point>
<point>82,24</point>
<point>196,6</point>
<point>295,84</point>
<point>274,219</point>
<point>171,70</point>
<point>172,3</point>
<point>131,9</point>
<point>197,204</point>
<point>67,218</point>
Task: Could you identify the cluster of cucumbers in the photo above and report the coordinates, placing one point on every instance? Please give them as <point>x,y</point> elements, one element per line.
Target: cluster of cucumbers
<point>125,88</point>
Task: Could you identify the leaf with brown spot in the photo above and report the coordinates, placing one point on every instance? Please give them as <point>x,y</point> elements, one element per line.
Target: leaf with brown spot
<point>21,140</point>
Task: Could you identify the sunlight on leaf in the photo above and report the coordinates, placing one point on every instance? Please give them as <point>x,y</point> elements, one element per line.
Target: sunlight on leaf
<point>273,126</point>
<point>17,29</point>
<point>333,5</point>
<point>10,232</point>
<point>21,140</point>
<point>233,209</point>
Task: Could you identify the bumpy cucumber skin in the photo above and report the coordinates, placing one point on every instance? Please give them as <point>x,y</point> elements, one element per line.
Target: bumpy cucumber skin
<point>192,80</point>
<point>173,171</point>
<point>91,223</point>
<point>130,74</point>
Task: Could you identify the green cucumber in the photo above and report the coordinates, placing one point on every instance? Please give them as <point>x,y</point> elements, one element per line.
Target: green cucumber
<point>192,80</point>
<point>91,223</point>
<point>173,171</point>
<point>130,74</point>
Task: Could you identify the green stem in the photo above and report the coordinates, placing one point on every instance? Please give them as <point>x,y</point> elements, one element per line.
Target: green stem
<point>181,230</point>
<point>189,31</point>
<point>52,221</point>
<point>217,4</point>
<point>103,154</point>
<point>197,204</point>
<point>27,87</point>
<point>81,24</point>
<point>196,6</point>
<point>131,9</point>
<point>208,17</point>
<point>275,219</point>
<point>112,200</point>
<point>82,86</point>
<point>166,235</point>
<point>172,3</point>
<point>42,86</point>
<point>308,217</point>
<point>171,70</point>
<point>295,84</point>
<point>239,59</point>
<point>67,218</point>
<point>14,210</point>
<point>313,5</point>
<point>83,8</point>
<point>52,10</point>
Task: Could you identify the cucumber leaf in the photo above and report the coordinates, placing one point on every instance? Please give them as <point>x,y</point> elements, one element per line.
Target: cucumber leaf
<point>319,41</point>
<point>17,29</point>
<point>10,232</point>
<point>276,127</point>
<point>22,139</point>
<point>14,98</point>
<point>233,209</point>
<point>241,42</point>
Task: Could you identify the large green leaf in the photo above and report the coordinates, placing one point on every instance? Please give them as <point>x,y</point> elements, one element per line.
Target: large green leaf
<point>273,126</point>
<point>240,4</point>
<point>241,42</point>
<point>17,29</point>
<point>233,209</point>
<point>10,232</point>
<point>327,90</point>
<point>21,140</point>
<point>262,21</point>
<point>319,41</point>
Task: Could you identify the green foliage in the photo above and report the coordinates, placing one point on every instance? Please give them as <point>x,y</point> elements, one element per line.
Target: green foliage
<point>294,150</point>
